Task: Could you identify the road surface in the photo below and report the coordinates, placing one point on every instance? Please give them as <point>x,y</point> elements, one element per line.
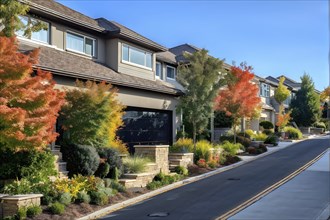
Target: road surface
<point>211,197</point>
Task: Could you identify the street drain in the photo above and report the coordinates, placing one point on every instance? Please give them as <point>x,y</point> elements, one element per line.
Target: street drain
<point>233,179</point>
<point>159,214</point>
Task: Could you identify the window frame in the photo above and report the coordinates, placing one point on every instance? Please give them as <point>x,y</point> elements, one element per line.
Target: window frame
<point>264,90</point>
<point>140,50</point>
<point>170,78</point>
<point>35,40</point>
<point>84,37</point>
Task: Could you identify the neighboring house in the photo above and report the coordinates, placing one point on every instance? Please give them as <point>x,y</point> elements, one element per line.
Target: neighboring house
<point>179,51</point>
<point>268,112</point>
<point>76,46</point>
<point>292,86</point>
<point>267,89</point>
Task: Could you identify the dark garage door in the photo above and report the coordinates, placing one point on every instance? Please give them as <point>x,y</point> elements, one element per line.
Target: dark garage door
<point>146,126</point>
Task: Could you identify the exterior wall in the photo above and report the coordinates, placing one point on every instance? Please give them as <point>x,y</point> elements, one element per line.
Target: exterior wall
<point>254,124</point>
<point>58,36</point>
<point>112,53</point>
<point>131,69</point>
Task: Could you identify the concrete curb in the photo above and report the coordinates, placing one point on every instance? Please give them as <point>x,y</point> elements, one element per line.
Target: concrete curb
<point>175,185</point>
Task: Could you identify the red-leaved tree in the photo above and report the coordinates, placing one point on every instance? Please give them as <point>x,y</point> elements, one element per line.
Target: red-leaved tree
<point>29,104</point>
<point>240,98</point>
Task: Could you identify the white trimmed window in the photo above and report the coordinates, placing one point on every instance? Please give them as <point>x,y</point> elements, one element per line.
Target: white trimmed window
<point>81,44</point>
<point>264,90</point>
<point>158,70</point>
<point>41,36</point>
<point>136,56</point>
<point>170,72</point>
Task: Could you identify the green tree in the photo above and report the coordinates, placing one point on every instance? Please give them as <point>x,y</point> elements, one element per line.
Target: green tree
<point>10,10</point>
<point>92,115</point>
<point>305,105</point>
<point>281,94</point>
<point>201,77</point>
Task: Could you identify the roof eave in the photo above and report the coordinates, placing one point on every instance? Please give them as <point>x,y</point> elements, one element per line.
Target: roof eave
<point>112,81</point>
<point>45,10</point>
<point>154,47</point>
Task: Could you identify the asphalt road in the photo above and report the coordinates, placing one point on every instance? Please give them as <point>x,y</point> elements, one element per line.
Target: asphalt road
<point>211,197</point>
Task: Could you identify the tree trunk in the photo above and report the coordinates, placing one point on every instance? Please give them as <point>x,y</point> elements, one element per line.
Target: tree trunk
<point>194,137</point>
<point>235,133</point>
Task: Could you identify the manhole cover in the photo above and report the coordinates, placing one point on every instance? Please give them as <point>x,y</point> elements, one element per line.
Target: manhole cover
<point>159,214</point>
<point>233,179</point>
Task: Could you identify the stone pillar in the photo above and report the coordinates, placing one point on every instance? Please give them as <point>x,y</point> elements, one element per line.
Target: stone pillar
<point>157,153</point>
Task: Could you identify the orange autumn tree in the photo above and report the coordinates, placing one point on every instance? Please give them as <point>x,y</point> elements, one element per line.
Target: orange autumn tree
<point>29,104</point>
<point>240,98</point>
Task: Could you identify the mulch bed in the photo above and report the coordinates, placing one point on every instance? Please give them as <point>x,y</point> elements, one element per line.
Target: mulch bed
<point>74,211</point>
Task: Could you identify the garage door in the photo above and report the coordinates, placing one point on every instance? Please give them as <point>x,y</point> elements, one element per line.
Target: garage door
<point>146,126</point>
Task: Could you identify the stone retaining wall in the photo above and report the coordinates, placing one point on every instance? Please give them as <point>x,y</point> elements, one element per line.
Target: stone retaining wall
<point>9,205</point>
<point>181,159</point>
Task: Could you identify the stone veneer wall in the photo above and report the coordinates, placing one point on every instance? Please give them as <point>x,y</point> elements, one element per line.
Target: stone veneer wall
<point>181,159</point>
<point>157,153</point>
<point>9,205</point>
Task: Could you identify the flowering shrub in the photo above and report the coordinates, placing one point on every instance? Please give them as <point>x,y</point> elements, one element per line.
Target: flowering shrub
<point>201,163</point>
<point>212,163</point>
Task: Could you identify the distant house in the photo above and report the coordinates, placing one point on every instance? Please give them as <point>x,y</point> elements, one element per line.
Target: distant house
<point>76,46</point>
<point>266,87</point>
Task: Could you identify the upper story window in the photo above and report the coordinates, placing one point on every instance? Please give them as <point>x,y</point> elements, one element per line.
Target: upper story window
<point>264,90</point>
<point>288,100</point>
<point>41,35</point>
<point>136,56</point>
<point>81,44</point>
<point>158,70</point>
<point>170,72</point>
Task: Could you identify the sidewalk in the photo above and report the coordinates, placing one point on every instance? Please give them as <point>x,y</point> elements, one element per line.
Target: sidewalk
<point>307,196</point>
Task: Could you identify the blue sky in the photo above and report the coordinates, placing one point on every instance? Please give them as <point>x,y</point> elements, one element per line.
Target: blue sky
<point>275,37</point>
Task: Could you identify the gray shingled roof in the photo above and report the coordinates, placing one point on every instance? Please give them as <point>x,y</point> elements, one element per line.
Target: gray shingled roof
<point>64,63</point>
<point>181,49</point>
<point>55,9</point>
<point>289,85</point>
<point>290,82</point>
<point>58,10</point>
<point>121,30</point>
<point>167,57</point>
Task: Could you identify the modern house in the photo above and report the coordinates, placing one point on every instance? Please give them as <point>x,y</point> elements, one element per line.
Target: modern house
<point>75,46</point>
